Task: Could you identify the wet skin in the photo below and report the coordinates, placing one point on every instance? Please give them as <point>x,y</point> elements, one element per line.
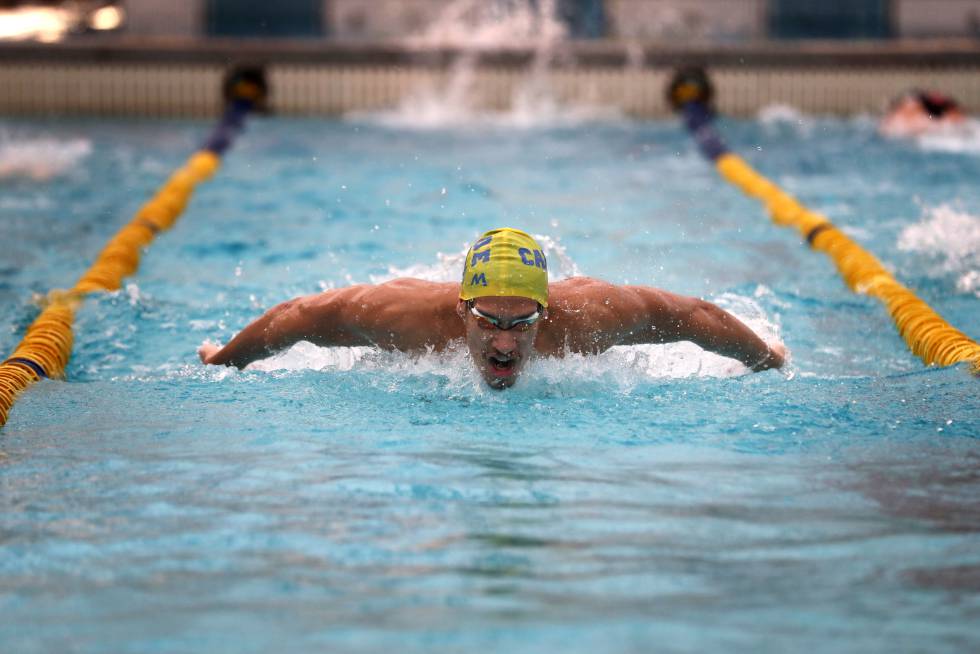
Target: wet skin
<point>584,315</point>
<point>500,354</point>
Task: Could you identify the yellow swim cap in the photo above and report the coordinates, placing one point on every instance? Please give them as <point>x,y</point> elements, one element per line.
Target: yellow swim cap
<point>505,262</point>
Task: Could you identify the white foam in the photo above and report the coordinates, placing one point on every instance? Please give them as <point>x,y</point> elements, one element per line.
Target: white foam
<point>40,159</point>
<point>482,25</point>
<point>306,356</point>
<point>447,266</point>
<point>623,367</point>
<point>778,116</point>
<point>782,113</point>
<point>959,139</point>
<point>431,109</point>
<point>953,237</point>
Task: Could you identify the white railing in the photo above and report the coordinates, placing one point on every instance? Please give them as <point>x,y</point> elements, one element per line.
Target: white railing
<point>190,89</point>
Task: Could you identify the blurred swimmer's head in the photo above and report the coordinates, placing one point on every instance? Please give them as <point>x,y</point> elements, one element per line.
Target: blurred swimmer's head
<point>917,112</point>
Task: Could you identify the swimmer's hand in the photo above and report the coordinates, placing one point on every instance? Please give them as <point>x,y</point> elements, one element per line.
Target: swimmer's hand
<point>207,351</point>
<point>775,357</point>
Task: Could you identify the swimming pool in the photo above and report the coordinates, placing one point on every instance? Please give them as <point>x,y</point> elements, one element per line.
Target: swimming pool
<point>650,498</point>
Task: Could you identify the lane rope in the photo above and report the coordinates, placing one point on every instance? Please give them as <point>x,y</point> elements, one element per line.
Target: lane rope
<point>927,334</point>
<point>46,346</point>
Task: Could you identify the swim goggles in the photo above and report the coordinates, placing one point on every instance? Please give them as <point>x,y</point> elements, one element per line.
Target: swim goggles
<point>485,321</point>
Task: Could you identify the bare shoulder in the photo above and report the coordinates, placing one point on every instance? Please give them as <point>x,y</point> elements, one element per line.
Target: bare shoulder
<point>591,315</point>
<point>587,315</point>
<point>597,296</point>
<point>580,289</point>
<point>403,314</point>
<point>402,294</point>
<point>408,290</point>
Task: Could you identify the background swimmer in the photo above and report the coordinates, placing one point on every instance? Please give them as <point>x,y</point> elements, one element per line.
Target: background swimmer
<point>506,312</point>
<point>918,112</point>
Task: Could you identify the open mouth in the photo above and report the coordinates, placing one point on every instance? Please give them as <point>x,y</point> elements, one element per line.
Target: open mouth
<point>501,366</point>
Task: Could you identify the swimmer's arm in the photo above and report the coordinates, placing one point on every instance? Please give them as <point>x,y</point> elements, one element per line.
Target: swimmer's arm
<point>326,319</point>
<point>662,317</point>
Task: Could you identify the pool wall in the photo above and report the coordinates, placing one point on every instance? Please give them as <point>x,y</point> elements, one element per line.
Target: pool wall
<point>176,77</point>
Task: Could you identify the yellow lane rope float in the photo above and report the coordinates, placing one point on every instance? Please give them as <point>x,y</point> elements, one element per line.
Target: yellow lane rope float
<point>46,347</point>
<point>927,334</point>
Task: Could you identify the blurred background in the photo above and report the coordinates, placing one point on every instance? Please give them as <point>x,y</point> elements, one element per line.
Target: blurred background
<point>668,20</point>
<point>337,56</point>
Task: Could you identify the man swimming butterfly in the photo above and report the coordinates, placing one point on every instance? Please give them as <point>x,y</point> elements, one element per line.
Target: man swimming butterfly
<point>506,312</point>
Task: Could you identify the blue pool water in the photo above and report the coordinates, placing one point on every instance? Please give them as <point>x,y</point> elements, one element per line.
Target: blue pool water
<point>650,499</point>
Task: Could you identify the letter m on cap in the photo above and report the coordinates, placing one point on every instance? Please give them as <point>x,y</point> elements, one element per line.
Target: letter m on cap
<point>480,279</point>
<point>480,256</point>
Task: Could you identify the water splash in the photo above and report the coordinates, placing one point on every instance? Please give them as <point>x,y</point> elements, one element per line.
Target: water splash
<point>957,139</point>
<point>953,236</point>
<point>435,110</point>
<point>621,367</point>
<point>40,159</point>
<point>482,25</point>
<point>473,26</point>
<point>447,267</point>
<point>775,114</point>
<point>684,22</point>
<point>932,136</point>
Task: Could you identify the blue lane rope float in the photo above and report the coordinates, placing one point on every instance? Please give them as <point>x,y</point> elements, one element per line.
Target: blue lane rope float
<point>927,334</point>
<point>46,347</point>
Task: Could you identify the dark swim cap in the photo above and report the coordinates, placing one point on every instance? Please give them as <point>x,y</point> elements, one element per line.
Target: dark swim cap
<point>936,104</point>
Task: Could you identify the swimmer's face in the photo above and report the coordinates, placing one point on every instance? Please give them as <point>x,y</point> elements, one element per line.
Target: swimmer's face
<point>500,354</point>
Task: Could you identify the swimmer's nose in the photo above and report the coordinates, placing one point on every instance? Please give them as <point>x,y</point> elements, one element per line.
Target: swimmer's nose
<point>504,342</point>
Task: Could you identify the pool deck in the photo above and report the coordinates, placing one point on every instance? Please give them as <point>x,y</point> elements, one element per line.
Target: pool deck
<point>178,77</point>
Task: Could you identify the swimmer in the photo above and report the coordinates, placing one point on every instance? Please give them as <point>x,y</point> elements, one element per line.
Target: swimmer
<point>504,310</point>
<point>919,112</point>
